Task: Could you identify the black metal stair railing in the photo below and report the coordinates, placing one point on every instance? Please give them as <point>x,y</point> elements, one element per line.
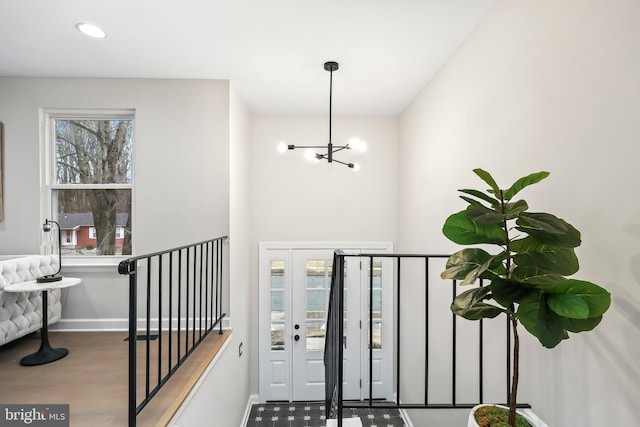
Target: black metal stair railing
<point>333,349</point>
<point>177,303</point>
<point>333,355</point>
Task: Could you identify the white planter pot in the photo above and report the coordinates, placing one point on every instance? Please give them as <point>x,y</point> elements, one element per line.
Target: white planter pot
<point>527,414</point>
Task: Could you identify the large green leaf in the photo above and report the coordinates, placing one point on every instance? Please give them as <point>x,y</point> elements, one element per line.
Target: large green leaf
<point>470,306</point>
<point>581,325</point>
<point>513,210</point>
<point>486,177</point>
<point>506,292</point>
<point>466,265</point>
<point>536,277</point>
<point>460,229</point>
<point>471,201</point>
<point>483,196</point>
<point>596,298</point>
<point>485,215</point>
<point>548,229</point>
<point>528,311</point>
<point>568,305</point>
<point>553,259</point>
<point>549,328</point>
<point>541,322</point>
<point>496,267</point>
<point>524,182</point>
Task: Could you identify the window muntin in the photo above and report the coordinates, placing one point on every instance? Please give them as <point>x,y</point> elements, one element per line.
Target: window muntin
<point>89,183</point>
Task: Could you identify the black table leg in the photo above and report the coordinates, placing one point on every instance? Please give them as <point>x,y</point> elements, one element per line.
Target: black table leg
<point>45,354</point>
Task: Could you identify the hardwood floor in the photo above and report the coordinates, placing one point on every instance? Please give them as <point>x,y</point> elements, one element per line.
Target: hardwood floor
<point>92,379</point>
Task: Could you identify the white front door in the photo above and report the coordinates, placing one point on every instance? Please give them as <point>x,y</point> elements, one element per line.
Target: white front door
<point>294,294</point>
<point>312,271</point>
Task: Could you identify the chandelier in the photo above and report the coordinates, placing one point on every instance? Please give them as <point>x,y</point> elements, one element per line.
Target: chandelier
<point>329,151</point>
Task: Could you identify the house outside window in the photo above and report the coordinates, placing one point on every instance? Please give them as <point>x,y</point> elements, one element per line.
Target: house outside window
<point>88,159</point>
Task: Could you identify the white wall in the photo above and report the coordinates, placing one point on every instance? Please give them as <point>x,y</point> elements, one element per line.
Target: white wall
<point>545,85</point>
<point>181,170</point>
<point>294,200</point>
<point>214,401</point>
<point>222,394</point>
<point>240,234</point>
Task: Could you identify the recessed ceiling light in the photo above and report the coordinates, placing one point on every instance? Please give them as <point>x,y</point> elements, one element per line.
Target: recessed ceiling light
<point>91,30</point>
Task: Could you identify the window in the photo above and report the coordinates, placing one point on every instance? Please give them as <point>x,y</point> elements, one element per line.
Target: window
<point>89,180</point>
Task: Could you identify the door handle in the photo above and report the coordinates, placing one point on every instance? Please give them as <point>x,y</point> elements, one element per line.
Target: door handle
<point>296,337</point>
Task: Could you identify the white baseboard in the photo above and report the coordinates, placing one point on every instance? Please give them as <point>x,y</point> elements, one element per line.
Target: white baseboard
<point>406,418</point>
<point>90,325</point>
<point>346,422</point>
<point>253,399</point>
<point>110,325</point>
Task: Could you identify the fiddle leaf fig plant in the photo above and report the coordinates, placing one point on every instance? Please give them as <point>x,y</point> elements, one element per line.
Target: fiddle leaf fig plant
<point>527,275</point>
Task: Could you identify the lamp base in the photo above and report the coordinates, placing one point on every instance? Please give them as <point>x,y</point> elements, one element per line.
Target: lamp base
<point>49,279</point>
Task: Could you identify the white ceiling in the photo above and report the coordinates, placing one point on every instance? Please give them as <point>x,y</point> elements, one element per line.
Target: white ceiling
<point>273,50</point>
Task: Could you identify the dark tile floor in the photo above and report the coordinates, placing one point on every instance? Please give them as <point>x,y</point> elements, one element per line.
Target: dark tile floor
<point>312,414</point>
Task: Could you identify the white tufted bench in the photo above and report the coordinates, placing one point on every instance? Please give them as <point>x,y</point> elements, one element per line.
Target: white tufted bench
<point>21,313</point>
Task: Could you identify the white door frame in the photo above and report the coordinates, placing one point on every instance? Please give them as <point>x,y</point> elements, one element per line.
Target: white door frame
<point>279,364</point>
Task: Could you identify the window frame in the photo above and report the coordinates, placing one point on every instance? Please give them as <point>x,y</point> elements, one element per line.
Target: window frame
<point>48,184</point>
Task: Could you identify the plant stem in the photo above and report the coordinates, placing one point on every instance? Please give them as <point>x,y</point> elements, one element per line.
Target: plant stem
<point>513,398</point>
<point>514,378</point>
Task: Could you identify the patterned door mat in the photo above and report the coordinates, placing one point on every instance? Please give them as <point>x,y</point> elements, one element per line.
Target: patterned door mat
<point>312,414</point>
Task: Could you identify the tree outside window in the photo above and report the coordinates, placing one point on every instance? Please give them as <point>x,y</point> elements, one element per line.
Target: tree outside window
<point>92,184</point>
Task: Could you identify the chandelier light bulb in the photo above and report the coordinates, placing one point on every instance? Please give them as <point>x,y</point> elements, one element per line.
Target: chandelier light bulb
<point>310,154</point>
<point>358,145</point>
<point>282,147</point>
<point>356,167</point>
<point>91,30</point>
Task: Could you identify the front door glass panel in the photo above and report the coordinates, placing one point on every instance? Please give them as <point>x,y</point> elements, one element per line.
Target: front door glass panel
<point>376,308</point>
<point>277,305</point>
<point>317,293</point>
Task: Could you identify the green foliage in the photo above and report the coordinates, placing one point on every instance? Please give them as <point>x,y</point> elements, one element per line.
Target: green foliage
<point>465,231</point>
<point>527,276</point>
